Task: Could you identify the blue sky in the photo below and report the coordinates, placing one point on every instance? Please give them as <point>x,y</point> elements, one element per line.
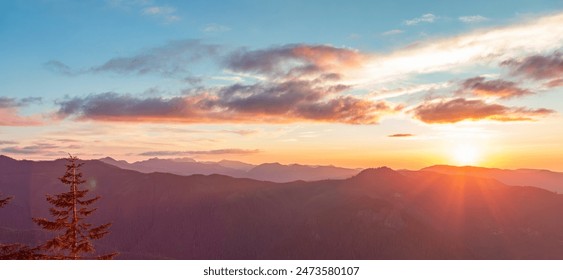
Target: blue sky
<point>268,80</point>
<point>35,32</point>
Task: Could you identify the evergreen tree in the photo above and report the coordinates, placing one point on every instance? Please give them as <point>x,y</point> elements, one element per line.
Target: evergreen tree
<point>69,211</point>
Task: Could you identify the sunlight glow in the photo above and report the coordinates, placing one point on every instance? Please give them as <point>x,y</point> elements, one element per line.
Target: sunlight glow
<point>466,155</point>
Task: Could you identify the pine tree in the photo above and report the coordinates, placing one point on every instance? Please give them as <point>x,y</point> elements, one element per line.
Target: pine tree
<point>69,211</point>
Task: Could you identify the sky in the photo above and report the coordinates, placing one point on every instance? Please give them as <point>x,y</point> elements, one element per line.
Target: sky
<point>405,84</point>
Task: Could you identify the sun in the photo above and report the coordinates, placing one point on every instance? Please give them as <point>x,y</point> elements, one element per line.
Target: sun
<point>466,154</point>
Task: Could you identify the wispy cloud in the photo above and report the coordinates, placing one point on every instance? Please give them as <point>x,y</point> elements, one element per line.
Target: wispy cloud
<point>401,135</point>
<point>242,132</point>
<point>215,28</point>
<point>472,19</point>
<point>10,102</point>
<point>10,115</point>
<point>207,152</point>
<point>59,67</point>
<point>171,59</point>
<point>428,18</point>
<point>149,8</point>
<point>484,47</point>
<point>29,150</point>
<point>461,109</point>
<point>392,32</point>
<point>166,13</point>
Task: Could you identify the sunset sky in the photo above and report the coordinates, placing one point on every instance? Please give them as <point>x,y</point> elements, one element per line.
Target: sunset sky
<point>405,84</point>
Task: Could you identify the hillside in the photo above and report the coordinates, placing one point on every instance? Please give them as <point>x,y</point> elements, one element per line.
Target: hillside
<point>545,179</point>
<point>377,214</point>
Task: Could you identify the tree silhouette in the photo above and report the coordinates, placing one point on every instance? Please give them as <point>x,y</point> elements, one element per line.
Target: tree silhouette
<point>69,211</point>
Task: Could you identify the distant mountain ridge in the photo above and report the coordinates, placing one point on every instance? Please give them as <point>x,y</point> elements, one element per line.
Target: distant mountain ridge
<point>273,172</point>
<point>545,179</point>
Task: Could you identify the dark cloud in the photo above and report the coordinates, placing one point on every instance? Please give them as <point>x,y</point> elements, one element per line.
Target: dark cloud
<point>401,135</point>
<point>290,101</point>
<point>7,143</point>
<point>209,152</point>
<point>538,67</point>
<point>6,102</point>
<point>460,109</point>
<point>294,60</point>
<point>493,88</point>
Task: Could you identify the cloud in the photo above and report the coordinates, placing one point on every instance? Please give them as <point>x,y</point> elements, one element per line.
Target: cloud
<point>9,111</point>
<point>214,28</point>
<point>401,135</point>
<point>59,68</point>
<point>169,59</point>
<point>472,19</point>
<point>482,47</point>
<point>554,83</point>
<point>460,109</point>
<point>242,132</point>
<point>538,67</point>
<point>29,150</point>
<point>493,88</point>
<point>392,32</point>
<point>284,102</point>
<point>11,117</point>
<point>208,152</point>
<point>6,102</point>
<point>291,61</point>
<point>7,142</point>
<point>167,13</point>
<point>10,102</point>
<point>424,18</point>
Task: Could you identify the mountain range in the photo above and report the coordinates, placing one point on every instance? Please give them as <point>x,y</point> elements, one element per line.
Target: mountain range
<point>274,172</point>
<point>378,213</point>
<point>545,179</point>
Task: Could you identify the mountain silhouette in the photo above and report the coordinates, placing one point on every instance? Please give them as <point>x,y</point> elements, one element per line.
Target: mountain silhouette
<point>545,179</point>
<point>273,172</point>
<point>377,214</point>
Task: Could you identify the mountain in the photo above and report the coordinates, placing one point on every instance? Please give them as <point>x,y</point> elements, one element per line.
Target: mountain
<point>377,214</point>
<point>276,172</point>
<point>545,179</point>
<point>273,172</point>
<point>176,166</point>
<point>236,165</point>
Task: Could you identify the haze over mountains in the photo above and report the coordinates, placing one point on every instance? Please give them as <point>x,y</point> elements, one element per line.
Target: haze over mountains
<point>377,214</point>
<point>545,179</point>
<point>273,172</point>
